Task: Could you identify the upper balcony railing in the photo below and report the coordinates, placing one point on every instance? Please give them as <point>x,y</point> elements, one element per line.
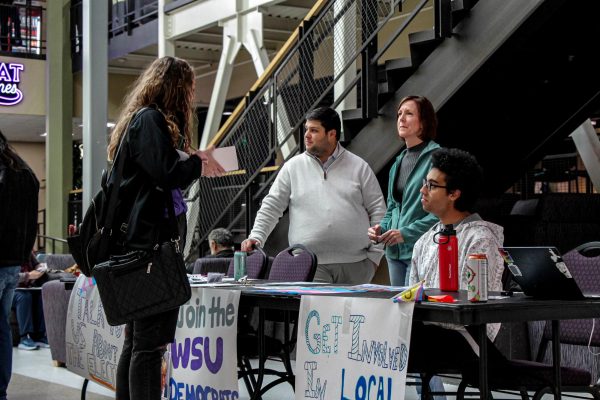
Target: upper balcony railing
<point>22,29</point>
<point>123,17</point>
<point>127,14</point>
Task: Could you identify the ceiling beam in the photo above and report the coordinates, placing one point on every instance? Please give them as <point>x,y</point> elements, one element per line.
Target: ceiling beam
<point>200,15</point>
<point>198,45</point>
<point>285,11</point>
<point>193,55</point>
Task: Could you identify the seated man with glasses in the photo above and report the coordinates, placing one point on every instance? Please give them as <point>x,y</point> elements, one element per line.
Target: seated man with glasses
<point>449,192</point>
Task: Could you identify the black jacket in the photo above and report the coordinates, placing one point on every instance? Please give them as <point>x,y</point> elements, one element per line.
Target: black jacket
<point>226,253</point>
<point>18,214</point>
<point>152,168</point>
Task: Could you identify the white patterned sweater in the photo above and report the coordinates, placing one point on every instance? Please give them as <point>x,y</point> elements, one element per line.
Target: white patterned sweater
<point>474,235</point>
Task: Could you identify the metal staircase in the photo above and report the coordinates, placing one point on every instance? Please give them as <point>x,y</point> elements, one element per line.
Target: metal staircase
<point>336,57</point>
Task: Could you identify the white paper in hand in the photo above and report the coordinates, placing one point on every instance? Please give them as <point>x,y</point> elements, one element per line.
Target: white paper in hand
<point>227,157</point>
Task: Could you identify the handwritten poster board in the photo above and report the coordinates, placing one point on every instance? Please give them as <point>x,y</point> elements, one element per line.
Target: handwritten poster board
<point>204,354</point>
<point>352,348</point>
<point>93,346</point>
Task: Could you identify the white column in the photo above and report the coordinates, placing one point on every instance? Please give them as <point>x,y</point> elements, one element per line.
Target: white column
<point>344,35</point>
<point>165,47</point>
<point>251,37</point>
<point>243,30</point>
<point>95,95</point>
<point>252,40</point>
<point>588,145</point>
<point>231,47</point>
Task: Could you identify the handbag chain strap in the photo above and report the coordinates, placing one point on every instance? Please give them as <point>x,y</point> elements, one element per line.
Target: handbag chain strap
<point>175,238</point>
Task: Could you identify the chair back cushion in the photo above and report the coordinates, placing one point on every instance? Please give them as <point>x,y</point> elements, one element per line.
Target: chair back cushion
<point>256,264</point>
<point>586,272</point>
<point>294,264</point>
<point>59,261</point>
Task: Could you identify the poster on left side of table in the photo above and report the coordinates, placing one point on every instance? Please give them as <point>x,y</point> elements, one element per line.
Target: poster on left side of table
<point>93,347</point>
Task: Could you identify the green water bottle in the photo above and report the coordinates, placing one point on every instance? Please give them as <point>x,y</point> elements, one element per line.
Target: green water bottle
<point>239,265</point>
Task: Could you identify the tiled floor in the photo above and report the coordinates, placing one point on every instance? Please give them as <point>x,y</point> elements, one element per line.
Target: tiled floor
<point>38,364</point>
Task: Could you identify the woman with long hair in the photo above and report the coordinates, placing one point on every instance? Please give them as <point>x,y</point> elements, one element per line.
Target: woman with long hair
<point>153,135</point>
<point>18,212</point>
<point>405,220</point>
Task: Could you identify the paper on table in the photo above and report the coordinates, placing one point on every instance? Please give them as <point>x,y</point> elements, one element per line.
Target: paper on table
<point>42,267</point>
<point>227,157</point>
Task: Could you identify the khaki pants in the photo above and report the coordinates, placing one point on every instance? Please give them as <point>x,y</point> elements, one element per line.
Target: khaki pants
<point>348,273</point>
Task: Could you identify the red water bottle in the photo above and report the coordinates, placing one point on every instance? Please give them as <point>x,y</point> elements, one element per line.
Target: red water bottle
<point>448,258</point>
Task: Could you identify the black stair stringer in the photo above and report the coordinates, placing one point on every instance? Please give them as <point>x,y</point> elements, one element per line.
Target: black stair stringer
<point>529,95</point>
<point>448,67</point>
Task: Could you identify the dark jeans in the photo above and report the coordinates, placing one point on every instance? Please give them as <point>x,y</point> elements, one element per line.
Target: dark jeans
<point>9,276</point>
<point>399,271</point>
<point>139,369</point>
<point>30,314</point>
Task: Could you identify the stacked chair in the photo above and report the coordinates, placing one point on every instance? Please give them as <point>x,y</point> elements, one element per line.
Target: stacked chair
<point>538,376</point>
<point>55,300</point>
<point>205,265</point>
<point>293,264</point>
<point>257,264</point>
<point>584,264</point>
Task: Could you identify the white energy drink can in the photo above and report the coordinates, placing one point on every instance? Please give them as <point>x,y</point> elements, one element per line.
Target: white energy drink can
<point>477,271</point>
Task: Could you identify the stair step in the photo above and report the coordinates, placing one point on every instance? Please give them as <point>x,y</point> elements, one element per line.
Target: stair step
<point>460,9</point>
<point>384,88</point>
<point>422,37</point>
<point>398,63</point>
<point>353,122</point>
<point>460,5</point>
<point>398,71</point>
<point>351,115</point>
<point>384,97</point>
<point>457,5</point>
<point>422,44</point>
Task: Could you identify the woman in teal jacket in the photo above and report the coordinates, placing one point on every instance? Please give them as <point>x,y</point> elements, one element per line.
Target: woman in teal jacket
<point>405,220</point>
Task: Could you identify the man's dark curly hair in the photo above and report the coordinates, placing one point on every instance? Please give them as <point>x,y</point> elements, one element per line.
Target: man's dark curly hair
<point>328,117</point>
<point>463,172</point>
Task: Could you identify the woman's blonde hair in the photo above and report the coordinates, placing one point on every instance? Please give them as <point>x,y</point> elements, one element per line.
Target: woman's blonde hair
<point>168,85</point>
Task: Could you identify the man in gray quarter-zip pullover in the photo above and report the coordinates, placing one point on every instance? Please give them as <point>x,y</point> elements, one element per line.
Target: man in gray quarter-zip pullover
<point>333,197</point>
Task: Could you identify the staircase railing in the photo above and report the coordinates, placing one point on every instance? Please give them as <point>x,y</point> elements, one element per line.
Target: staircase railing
<point>266,127</point>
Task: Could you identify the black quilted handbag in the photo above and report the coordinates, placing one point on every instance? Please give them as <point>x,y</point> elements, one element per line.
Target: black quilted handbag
<point>142,283</point>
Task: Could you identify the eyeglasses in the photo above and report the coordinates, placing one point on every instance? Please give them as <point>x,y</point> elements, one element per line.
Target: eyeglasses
<point>430,185</point>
